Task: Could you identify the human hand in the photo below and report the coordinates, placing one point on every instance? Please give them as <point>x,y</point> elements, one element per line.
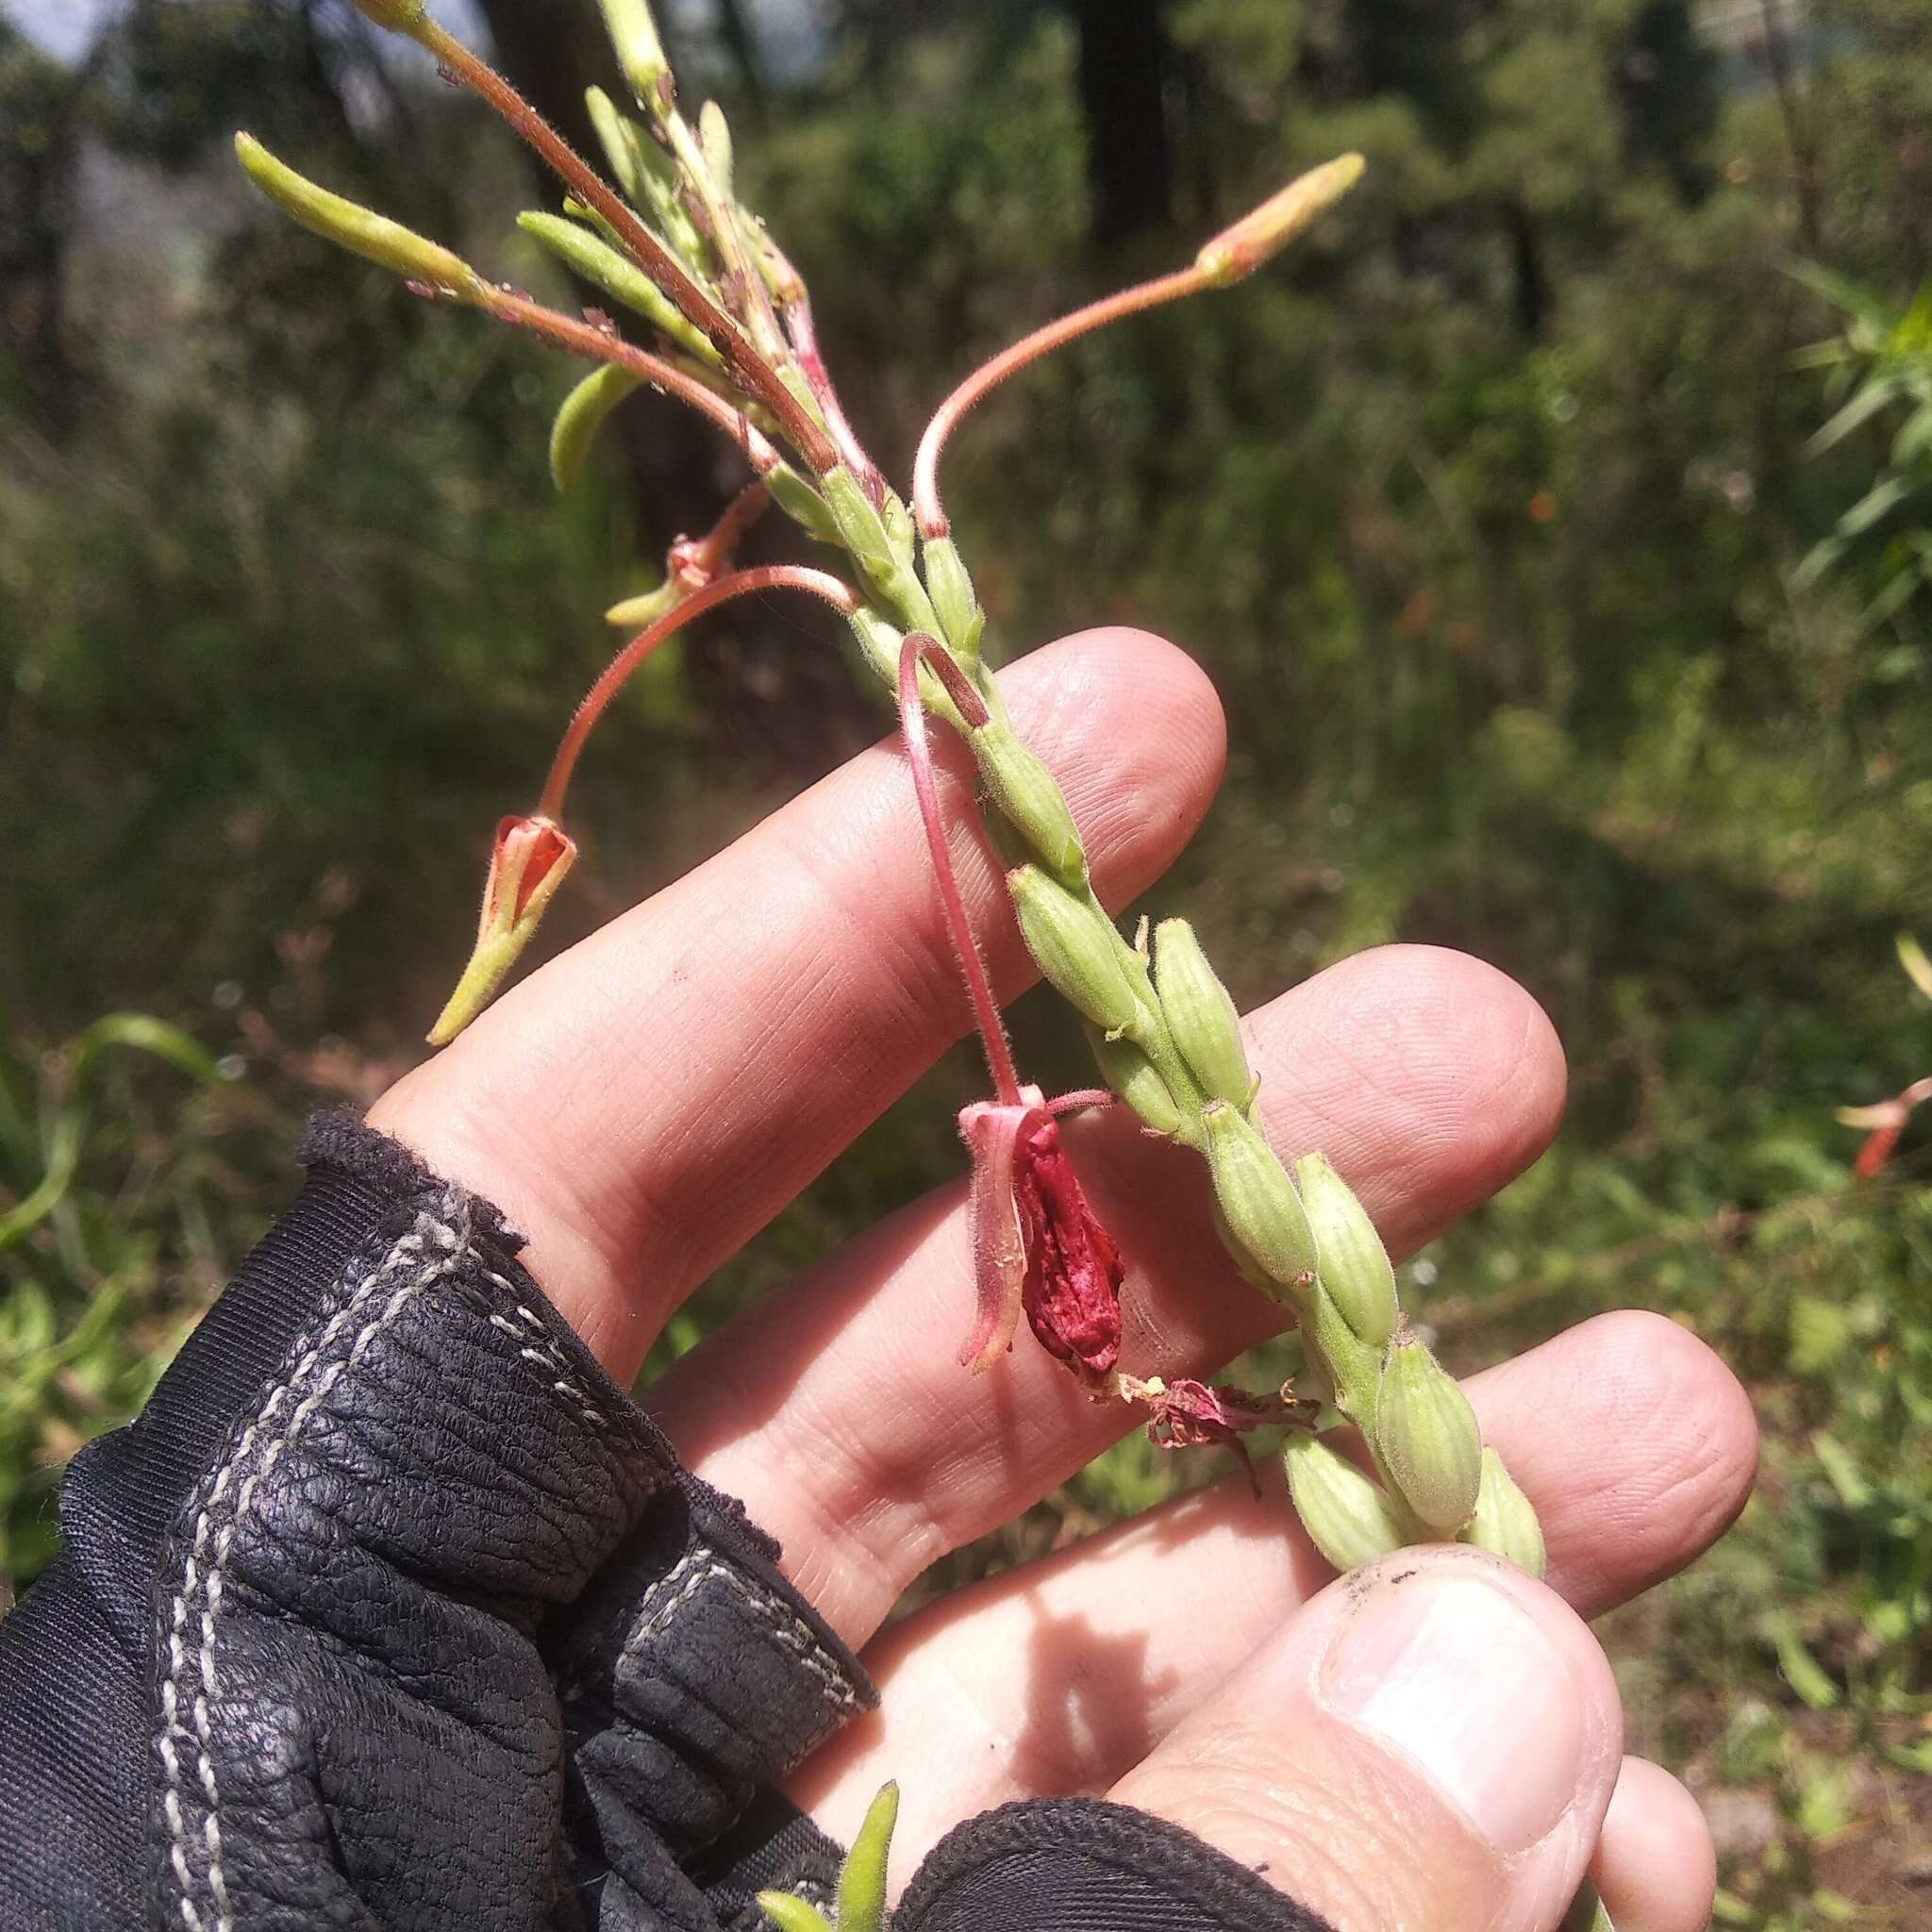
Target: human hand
<point>1433,1742</point>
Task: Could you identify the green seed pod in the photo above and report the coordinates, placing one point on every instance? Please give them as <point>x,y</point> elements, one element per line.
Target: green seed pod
<point>1427,1436</point>
<point>1346,1516</point>
<point>801,502</point>
<point>579,419</point>
<point>1074,941</point>
<point>1355,1264</point>
<point>1031,801</point>
<point>861,527</point>
<point>1259,1199</point>
<point>358,230</point>
<point>951,591</point>
<point>594,258</point>
<point>1200,1014</point>
<point>1137,1081</point>
<point>621,152</point>
<point>714,142</point>
<point>640,53</point>
<point>1505,1523</point>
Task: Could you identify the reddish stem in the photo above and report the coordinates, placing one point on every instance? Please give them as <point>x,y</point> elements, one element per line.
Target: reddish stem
<point>597,345</point>
<point>710,552</point>
<point>753,373</point>
<point>985,1012</point>
<point>926,509</point>
<point>802,333</point>
<point>773,576</point>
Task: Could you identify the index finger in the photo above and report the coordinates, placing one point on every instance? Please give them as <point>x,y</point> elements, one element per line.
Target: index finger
<point>648,1100</point>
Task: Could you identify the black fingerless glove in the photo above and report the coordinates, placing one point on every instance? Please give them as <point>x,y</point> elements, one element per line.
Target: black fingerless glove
<point>390,1610</point>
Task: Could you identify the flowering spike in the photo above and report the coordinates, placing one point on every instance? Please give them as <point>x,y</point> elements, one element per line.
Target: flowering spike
<point>526,865</point>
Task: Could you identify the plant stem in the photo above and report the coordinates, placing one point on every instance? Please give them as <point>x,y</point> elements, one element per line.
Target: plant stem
<point>776,577</point>
<point>757,376</point>
<point>985,1011</point>
<point>713,551</point>
<point>926,509</point>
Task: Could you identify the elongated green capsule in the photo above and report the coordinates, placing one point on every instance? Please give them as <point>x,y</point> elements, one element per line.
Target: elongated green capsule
<point>640,52</point>
<point>577,420</point>
<point>861,527</point>
<point>1346,1516</point>
<point>1031,800</point>
<point>1072,939</point>
<point>594,258</point>
<point>1200,1014</point>
<point>1427,1435</point>
<point>957,610</point>
<point>714,142</point>
<point>1355,1264</point>
<point>1505,1523</point>
<point>621,152</point>
<point>1137,1081</point>
<point>358,230</point>
<point>1259,1199</point>
<point>801,502</point>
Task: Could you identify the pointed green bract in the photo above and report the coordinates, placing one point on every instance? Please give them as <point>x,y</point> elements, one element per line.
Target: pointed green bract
<point>1073,943</point>
<point>1505,1523</point>
<point>862,1878</point>
<point>1031,801</point>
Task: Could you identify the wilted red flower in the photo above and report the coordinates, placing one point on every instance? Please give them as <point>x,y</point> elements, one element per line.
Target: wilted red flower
<point>528,862</point>
<point>1186,1413</point>
<point>1037,1247</point>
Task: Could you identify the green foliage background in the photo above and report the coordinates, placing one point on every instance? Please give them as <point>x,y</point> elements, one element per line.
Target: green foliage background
<point>1550,625</point>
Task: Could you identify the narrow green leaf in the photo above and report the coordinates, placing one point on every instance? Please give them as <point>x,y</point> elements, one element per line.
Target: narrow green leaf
<point>862,1879</point>
<point>579,419</point>
<point>1911,955</point>
<point>1871,397</point>
<point>1879,501</point>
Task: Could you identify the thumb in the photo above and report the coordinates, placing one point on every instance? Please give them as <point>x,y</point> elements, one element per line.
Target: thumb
<point>1430,1742</point>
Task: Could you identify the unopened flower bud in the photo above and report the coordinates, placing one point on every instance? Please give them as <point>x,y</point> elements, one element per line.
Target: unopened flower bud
<point>1346,1516</point>
<point>1200,1014</point>
<point>1505,1521</point>
<point>640,53</point>
<point>1355,1264</point>
<point>358,230</point>
<point>1030,799</point>
<point>957,610</point>
<point>647,607</point>
<point>1258,1198</point>
<point>1137,1081</point>
<point>1075,945</point>
<point>714,140</point>
<point>526,865</point>
<point>1427,1435</point>
<point>1264,231</point>
<point>580,416</point>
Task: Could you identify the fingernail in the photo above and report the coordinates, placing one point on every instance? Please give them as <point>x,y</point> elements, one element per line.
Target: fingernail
<point>1450,1672</point>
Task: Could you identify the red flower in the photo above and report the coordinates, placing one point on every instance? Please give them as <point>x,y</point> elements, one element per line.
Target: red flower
<point>1037,1246</point>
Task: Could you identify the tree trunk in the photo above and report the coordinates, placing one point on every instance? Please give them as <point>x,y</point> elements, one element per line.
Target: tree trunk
<point>1124,70</point>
